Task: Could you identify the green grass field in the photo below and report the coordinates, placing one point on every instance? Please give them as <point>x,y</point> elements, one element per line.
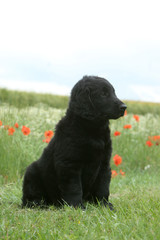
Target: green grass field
<point>135,195</point>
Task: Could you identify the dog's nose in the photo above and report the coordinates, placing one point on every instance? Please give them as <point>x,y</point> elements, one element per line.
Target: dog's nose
<point>123,107</point>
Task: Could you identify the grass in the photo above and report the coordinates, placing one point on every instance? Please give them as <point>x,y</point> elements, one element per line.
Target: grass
<point>137,216</point>
<point>135,196</point>
<point>25,99</point>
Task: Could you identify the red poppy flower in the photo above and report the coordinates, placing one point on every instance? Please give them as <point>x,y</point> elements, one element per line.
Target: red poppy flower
<point>48,134</point>
<point>117,133</point>
<point>25,130</point>
<point>127,126</point>
<point>11,131</point>
<point>114,173</point>
<point>0,123</point>
<point>149,143</point>
<point>117,160</point>
<point>16,125</point>
<point>121,172</point>
<point>136,117</point>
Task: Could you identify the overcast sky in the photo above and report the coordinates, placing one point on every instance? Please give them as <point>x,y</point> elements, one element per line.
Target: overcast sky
<point>47,46</point>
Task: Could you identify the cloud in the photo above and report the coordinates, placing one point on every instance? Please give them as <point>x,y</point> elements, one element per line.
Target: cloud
<point>58,29</point>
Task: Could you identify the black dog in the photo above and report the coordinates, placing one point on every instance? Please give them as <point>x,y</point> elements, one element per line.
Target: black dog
<point>75,166</point>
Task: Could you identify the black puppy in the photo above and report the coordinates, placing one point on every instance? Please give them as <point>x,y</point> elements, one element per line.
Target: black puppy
<point>75,166</point>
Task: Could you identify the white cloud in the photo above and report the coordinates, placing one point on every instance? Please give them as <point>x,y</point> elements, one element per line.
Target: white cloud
<point>58,29</point>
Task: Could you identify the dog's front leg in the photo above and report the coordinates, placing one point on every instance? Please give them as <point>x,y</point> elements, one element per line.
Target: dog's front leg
<point>69,182</point>
<point>101,187</point>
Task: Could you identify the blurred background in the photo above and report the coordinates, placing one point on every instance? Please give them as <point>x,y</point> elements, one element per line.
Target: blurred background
<point>47,46</point>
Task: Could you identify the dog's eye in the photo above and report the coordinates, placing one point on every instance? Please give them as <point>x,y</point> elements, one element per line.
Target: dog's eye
<point>104,94</point>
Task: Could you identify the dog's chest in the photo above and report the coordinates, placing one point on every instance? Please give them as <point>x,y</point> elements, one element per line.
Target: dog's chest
<point>93,150</point>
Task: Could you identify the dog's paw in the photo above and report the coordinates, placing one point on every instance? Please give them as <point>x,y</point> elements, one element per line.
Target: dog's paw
<point>111,207</point>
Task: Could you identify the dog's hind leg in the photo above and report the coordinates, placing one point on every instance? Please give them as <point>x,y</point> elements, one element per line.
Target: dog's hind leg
<point>33,190</point>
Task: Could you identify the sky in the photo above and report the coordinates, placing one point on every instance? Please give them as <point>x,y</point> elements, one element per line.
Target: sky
<point>47,46</point>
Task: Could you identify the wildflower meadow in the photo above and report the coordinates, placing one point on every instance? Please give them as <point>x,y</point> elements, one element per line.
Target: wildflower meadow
<point>135,185</point>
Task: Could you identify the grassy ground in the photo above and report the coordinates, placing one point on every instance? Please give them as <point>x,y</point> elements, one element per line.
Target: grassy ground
<point>136,199</point>
<point>136,195</point>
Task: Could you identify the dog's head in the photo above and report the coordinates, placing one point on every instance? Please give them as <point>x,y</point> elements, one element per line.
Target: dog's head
<point>95,98</point>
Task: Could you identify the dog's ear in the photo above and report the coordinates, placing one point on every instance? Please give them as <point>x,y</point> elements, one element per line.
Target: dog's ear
<point>88,94</point>
<point>81,104</point>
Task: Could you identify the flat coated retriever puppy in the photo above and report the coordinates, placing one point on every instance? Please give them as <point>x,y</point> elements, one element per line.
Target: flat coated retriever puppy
<point>75,166</point>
